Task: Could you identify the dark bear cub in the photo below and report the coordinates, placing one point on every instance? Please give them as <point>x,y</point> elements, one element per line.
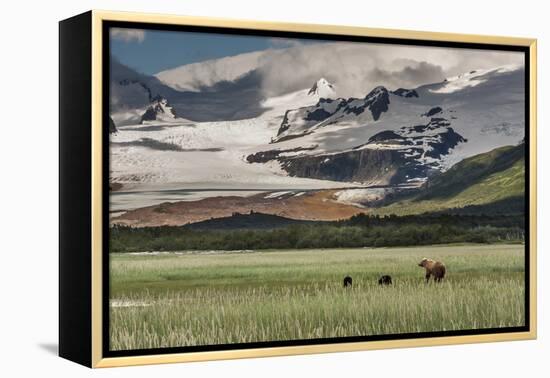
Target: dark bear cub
<point>347,281</point>
<point>384,280</point>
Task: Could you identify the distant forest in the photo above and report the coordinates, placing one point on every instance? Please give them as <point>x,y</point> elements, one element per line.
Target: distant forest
<point>358,231</point>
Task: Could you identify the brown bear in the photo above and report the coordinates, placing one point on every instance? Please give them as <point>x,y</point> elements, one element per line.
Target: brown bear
<point>433,268</point>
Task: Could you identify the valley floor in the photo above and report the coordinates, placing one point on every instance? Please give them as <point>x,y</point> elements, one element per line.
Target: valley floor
<point>320,205</point>
<point>204,298</point>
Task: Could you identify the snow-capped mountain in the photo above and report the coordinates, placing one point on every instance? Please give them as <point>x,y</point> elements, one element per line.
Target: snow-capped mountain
<point>322,89</point>
<point>305,120</point>
<point>159,110</point>
<point>401,136</point>
<point>131,93</point>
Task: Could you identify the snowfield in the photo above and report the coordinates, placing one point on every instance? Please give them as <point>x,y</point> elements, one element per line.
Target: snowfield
<point>206,155</point>
<point>471,79</point>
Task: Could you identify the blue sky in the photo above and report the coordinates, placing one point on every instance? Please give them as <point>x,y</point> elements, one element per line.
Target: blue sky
<point>151,51</point>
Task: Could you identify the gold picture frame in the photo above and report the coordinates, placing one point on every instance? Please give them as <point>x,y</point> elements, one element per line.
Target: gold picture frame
<point>91,328</point>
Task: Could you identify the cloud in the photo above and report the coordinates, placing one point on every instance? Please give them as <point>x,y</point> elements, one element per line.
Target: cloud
<point>409,76</point>
<point>356,68</point>
<point>128,35</point>
<point>196,76</point>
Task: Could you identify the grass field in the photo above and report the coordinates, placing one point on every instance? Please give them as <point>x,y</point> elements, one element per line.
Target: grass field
<point>217,298</point>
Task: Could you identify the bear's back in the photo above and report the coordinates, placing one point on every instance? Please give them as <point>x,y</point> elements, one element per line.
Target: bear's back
<point>438,269</point>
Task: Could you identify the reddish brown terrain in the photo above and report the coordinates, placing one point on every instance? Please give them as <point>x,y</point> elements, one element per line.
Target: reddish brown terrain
<point>318,205</point>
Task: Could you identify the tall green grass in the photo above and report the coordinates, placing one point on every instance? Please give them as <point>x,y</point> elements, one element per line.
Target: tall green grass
<point>202,299</point>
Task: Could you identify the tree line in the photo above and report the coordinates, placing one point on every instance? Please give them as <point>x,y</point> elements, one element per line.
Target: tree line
<point>358,231</point>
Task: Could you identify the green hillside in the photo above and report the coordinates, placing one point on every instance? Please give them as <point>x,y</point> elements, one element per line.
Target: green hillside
<point>495,177</point>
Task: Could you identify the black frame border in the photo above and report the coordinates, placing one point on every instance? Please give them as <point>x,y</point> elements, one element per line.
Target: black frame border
<point>106,25</point>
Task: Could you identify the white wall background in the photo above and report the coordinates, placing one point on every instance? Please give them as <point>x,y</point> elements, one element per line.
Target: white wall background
<point>28,210</point>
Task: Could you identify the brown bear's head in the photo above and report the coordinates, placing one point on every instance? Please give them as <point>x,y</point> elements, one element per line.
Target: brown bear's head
<point>424,262</point>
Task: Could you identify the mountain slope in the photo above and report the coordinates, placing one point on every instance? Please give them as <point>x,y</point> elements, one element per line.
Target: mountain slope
<point>494,177</point>
<point>501,168</point>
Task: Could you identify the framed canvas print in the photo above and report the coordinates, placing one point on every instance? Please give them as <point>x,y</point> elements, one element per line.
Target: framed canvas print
<point>235,189</point>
